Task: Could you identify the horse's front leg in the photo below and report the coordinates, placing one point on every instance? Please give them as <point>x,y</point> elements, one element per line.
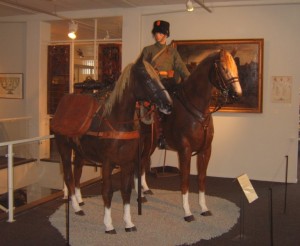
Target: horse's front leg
<point>78,164</point>
<point>126,187</point>
<point>107,193</point>
<point>185,166</point>
<point>202,163</point>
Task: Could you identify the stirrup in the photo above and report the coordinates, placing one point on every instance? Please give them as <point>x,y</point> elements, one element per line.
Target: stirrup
<point>161,143</point>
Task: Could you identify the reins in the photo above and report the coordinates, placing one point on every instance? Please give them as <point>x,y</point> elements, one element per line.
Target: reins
<point>204,118</point>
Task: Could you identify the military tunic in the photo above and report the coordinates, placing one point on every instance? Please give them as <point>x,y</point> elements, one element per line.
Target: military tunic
<point>168,60</point>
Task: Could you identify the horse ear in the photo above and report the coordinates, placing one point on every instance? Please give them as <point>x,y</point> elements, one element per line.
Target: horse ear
<point>233,52</point>
<point>140,59</point>
<point>222,53</point>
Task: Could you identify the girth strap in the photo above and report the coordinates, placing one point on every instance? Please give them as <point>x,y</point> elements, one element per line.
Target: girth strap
<point>115,135</point>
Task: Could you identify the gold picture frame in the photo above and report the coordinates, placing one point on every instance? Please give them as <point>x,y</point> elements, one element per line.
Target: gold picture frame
<point>248,54</point>
<point>11,85</point>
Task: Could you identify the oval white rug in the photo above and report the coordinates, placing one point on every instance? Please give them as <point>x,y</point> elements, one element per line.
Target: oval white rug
<point>160,224</point>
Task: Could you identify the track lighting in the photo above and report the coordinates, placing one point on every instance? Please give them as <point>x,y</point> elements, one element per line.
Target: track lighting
<point>189,5</point>
<point>72,30</point>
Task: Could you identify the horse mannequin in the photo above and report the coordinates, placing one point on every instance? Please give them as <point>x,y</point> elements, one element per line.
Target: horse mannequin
<point>189,128</point>
<point>112,139</point>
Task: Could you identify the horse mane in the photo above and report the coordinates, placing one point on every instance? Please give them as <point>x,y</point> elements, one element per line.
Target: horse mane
<point>151,71</point>
<point>123,81</point>
<point>117,93</point>
<point>226,58</point>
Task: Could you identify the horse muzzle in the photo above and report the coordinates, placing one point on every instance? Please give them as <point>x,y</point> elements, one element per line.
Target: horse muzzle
<point>166,109</point>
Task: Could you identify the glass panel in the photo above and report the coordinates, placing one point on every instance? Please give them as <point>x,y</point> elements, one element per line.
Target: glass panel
<point>108,28</point>
<point>58,74</point>
<point>84,65</point>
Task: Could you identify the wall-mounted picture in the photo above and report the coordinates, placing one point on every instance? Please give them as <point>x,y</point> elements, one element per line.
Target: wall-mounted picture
<point>11,85</point>
<point>248,55</point>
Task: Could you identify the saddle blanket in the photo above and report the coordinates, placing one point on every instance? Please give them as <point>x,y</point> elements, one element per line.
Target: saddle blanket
<point>74,114</point>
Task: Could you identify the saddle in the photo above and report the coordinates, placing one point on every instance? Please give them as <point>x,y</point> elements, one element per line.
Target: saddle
<point>74,114</point>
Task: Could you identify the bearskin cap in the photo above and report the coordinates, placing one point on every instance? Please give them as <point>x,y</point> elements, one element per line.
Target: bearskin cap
<point>162,27</point>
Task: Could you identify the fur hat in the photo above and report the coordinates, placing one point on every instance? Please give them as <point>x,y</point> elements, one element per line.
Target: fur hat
<point>162,27</point>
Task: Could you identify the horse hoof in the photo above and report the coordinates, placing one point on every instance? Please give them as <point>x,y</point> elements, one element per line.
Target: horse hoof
<point>113,231</point>
<point>131,229</point>
<point>81,203</point>
<point>207,213</point>
<point>148,192</point>
<point>80,212</point>
<point>189,218</point>
<point>143,200</point>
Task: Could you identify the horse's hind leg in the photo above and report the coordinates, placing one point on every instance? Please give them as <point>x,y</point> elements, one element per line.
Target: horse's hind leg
<point>78,164</point>
<point>126,187</point>
<point>202,163</point>
<point>65,151</point>
<point>148,149</point>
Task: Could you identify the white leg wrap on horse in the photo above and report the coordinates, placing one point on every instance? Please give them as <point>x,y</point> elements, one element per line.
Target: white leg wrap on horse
<point>78,195</point>
<point>65,189</point>
<point>75,204</point>
<point>127,216</point>
<point>186,206</point>
<point>107,219</point>
<point>202,201</point>
<point>144,183</point>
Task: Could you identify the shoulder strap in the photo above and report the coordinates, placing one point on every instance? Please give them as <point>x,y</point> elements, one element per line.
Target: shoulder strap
<point>158,54</point>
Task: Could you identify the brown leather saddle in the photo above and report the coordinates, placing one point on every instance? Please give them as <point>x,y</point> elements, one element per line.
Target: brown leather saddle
<point>74,114</point>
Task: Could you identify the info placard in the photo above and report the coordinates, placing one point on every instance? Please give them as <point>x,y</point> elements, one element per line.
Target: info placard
<point>247,188</point>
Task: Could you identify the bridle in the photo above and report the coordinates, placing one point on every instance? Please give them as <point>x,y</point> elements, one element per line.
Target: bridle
<point>222,84</point>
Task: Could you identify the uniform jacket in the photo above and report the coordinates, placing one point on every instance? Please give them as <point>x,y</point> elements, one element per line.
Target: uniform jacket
<point>168,60</point>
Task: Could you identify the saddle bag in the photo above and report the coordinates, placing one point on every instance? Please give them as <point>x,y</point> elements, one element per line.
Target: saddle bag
<point>74,114</point>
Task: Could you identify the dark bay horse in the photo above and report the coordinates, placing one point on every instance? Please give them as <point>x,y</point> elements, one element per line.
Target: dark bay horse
<point>112,138</point>
<point>189,128</point>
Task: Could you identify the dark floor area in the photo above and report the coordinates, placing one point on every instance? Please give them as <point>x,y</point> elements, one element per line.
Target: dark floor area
<point>254,227</point>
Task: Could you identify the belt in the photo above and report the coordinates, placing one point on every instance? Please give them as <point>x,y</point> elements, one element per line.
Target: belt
<point>169,74</point>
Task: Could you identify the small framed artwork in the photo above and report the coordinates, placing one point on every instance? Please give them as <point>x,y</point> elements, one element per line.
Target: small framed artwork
<point>248,55</point>
<point>11,85</point>
<point>282,89</point>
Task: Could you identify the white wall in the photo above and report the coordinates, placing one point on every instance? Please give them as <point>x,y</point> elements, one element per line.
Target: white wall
<point>12,60</point>
<point>255,144</point>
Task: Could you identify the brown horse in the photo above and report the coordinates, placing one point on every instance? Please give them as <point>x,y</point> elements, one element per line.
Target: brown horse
<point>112,138</point>
<point>189,128</point>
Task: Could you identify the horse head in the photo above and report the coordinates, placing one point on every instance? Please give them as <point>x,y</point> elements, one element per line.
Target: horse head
<point>224,76</point>
<point>150,87</point>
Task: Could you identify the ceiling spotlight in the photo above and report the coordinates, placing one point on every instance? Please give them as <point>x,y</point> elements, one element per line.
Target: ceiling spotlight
<point>72,30</point>
<point>189,6</point>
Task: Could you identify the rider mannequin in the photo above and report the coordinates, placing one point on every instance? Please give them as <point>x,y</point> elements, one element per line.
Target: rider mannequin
<point>164,58</point>
<point>166,61</point>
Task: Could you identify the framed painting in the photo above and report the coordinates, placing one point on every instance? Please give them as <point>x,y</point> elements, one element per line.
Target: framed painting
<point>11,85</point>
<point>248,55</point>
